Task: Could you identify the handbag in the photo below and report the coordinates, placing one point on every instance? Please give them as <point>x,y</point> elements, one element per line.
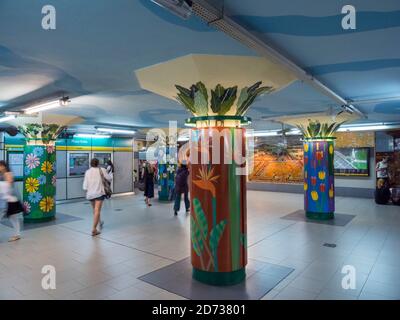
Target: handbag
<point>106,185</point>
<point>141,185</point>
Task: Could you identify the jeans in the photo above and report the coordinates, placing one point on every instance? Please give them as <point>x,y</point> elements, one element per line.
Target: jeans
<point>177,204</point>
<point>14,219</point>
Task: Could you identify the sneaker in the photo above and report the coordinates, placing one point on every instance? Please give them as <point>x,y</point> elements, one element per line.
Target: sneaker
<point>15,238</point>
<point>175,213</point>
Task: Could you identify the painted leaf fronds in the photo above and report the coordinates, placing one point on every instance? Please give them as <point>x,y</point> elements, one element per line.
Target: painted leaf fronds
<point>315,129</point>
<point>195,99</point>
<point>197,241</point>
<point>45,132</point>
<point>222,99</point>
<point>216,235</point>
<point>248,95</point>
<point>201,217</point>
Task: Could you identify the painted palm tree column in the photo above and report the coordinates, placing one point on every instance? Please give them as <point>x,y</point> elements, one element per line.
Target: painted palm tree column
<point>319,180</point>
<point>39,181</point>
<point>218,179</point>
<point>218,200</point>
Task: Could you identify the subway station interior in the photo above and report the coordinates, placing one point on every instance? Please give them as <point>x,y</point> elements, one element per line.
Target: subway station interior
<point>238,150</point>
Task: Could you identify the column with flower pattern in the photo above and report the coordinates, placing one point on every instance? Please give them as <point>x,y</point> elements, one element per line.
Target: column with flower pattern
<point>39,182</point>
<point>40,171</point>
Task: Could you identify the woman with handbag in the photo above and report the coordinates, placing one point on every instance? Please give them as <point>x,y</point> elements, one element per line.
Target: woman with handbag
<point>97,184</point>
<point>13,205</point>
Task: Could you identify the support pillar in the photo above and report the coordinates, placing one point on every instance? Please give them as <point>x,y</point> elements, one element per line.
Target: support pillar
<point>319,179</point>
<point>39,182</point>
<point>218,199</point>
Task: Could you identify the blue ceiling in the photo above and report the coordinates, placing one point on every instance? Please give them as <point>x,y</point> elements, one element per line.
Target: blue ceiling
<point>97,46</point>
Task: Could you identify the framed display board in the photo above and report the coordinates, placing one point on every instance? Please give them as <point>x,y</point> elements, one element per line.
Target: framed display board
<point>352,162</point>
<point>78,163</point>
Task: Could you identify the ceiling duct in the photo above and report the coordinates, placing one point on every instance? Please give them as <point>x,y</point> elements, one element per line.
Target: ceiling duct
<point>217,19</point>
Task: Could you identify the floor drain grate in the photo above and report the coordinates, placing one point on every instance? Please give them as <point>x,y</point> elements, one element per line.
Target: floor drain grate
<point>330,245</point>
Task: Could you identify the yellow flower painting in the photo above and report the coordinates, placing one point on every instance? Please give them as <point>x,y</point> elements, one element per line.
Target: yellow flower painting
<point>46,204</point>
<point>47,167</point>
<point>31,185</point>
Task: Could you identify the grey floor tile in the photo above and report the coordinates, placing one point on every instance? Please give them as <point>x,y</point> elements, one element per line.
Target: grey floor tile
<point>139,240</point>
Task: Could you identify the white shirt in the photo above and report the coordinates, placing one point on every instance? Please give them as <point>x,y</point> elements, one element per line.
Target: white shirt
<point>109,171</point>
<point>92,183</point>
<point>382,169</point>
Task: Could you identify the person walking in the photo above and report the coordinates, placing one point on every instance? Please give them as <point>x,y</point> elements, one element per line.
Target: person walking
<point>181,186</point>
<point>95,192</point>
<point>148,178</point>
<point>13,207</point>
<point>382,170</point>
<point>110,171</point>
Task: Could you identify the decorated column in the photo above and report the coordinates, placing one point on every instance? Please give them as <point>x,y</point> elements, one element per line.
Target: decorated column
<point>319,176</point>
<point>217,168</point>
<point>39,182</point>
<point>166,181</point>
<point>40,171</point>
<point>319,179</point>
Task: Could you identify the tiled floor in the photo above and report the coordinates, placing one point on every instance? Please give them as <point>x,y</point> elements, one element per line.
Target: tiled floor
<point>137,240</point>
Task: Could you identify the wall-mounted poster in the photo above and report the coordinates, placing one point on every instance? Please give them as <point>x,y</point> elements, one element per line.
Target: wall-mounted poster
<point>355,139</point>
<point>278,160</point>
<point>352,162</point>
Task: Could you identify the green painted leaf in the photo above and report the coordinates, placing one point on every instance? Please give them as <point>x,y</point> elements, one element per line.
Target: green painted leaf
<point>254,87</point>
<point>186,101</point>
<point>200,104</point>
<point>227,100</point>
<point>201,217</point>
<point>242,97</point>
<point>216,234</point>
<point>183,90</point>
<point>197,241</point>
<point>202,88</point>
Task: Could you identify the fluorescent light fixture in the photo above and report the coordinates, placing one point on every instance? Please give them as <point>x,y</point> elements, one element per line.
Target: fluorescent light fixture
<point>181,8</point>
<point>47,106</point>
<point>293,132</point>
<point>7,118</point>
<point>272,133</point>
<point>121,131</point>
<point>268,133</point>
<point>94,136</point>
<point>369,127</point>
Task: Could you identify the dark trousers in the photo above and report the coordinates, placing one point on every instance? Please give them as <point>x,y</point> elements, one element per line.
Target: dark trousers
<point>177,204</point>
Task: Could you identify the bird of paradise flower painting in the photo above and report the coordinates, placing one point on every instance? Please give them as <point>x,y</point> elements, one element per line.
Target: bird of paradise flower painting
<point>202,239</point>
